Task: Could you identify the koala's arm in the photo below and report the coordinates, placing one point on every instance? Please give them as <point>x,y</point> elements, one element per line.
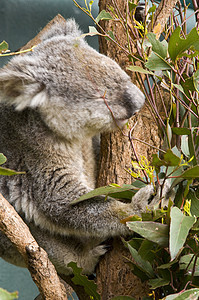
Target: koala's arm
<point>97,217</point>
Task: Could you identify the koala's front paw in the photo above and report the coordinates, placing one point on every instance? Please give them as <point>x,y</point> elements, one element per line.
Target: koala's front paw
<point>89,261</point>
<point>143,198</point>
<point>148,197</point>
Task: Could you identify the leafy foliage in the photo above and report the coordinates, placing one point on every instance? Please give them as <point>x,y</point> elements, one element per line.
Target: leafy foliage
<point>4,295</point>
<point>165,249</point>
<point>79,279</point>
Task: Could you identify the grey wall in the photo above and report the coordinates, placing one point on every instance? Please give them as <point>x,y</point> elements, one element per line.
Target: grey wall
<point>21,20</point>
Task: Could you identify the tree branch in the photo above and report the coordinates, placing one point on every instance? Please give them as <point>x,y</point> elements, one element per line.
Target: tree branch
<point>41,269</point>
<point>162,13</point>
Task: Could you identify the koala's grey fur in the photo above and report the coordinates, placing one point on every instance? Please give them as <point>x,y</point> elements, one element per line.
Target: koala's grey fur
<point>51,107</point>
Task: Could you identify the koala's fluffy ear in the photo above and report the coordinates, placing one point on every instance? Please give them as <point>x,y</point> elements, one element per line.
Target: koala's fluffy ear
<point>18,87</point>
<point>64,28</point>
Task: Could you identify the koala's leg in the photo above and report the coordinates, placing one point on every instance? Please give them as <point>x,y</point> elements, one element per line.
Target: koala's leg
<point>61,251</point>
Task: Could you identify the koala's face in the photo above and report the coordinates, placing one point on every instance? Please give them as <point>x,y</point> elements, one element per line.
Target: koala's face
<point>76,89</point>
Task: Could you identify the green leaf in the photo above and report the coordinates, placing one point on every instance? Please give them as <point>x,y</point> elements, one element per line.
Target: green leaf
<point>196,80</point>
<point>152,231</point>
<point>158,47</point>
<point>181,131</point>
<point>79,279</point>
<point>176,151</point>
<point>139,69</point>
<point>142,264</point>
<point>157,63</point>
<point>106,190</point>
<point>169,159</point>
<point>92,30</point>
<point>3,159</point>
<point>191,294</point>
<point>9,172</point>
<point>178,45</point>
<point>3,46</point>
<point>122,298</point>
<point>188,85</point>
<point>147,249</point>
<point>157,282</point>
<point>110,33</point>
<point>4,295</point>
<point>187,263</point>
<point>179,229</point>
<point>192,145</point>
<point>185,145</point>
<point>103,15</point>
<point>132,6</point>
<point>152,9</point>
<point>168,265</point>
<point>191,173</point>
<point>194,203</point>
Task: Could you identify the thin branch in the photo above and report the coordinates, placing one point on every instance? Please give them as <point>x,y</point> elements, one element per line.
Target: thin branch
<point>42,270</point>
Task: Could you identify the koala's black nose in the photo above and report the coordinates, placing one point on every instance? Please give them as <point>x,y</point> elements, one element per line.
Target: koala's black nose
<point>133,99</point>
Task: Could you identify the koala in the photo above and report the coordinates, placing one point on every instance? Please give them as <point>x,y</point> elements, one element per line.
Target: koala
<point>51,109</point>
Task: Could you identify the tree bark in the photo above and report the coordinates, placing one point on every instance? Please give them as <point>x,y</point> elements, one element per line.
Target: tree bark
<point>114,276</point>
<point>41,269</point>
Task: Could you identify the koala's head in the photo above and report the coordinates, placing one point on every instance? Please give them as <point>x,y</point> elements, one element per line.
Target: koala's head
<point>67,81</point>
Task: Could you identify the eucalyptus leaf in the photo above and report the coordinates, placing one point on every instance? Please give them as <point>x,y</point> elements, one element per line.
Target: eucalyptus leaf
<point>179,229</point>
<point>191,173</point>
<point>3,46</point>
<point>194,202</point>
<point>139,70</point>
<point>9,172</point>
<point>142,264</point>
<point>92,30</point>
<point>122,298</point>
<point>132,6</point>
<point>152,231</point>
<point>158,47</point>
<point>176,151</point>
<point>178,45</point>
<point>168,265</point>
<point>5,295</point>
<point>107,191</point>
<point>3,159</point>
<point>185,145</point>
<point>157,282</point>
<point>79,279</point>
<point>181,131</point>
<point>152,9</point>
<point>147,249</point>
<point>157,63</point>
<point>111,34</point>
<point>187,263</point>
<point>191,294</point>
<point>169,159</point>
<point>103,15</point>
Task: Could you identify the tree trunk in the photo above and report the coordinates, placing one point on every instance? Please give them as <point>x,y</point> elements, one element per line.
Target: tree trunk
<point>114,276</point>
